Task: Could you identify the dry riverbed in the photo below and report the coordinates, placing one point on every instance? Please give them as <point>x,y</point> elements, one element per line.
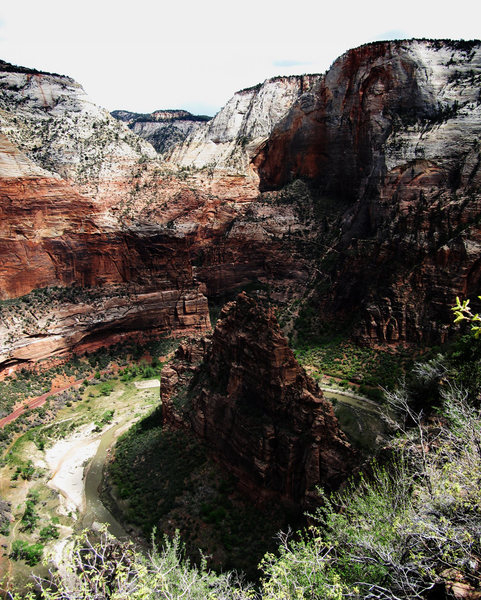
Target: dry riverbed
<point>59,455</point>
<point>66,462</point>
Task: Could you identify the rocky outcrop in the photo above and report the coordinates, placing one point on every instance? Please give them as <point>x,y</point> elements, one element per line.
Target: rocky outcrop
<point>66,282</point>
<point>380,106</point>
<point>55,322</point>
<point>391,136</point>
<point>257,411</point>
<point>162,128</point>
<point>227,143</point>
<point>51,120</point>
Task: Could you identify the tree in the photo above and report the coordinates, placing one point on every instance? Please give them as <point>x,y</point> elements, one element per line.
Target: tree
<point>463,312</point>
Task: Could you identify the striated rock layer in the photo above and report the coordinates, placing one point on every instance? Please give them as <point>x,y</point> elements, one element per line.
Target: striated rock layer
<point>385,234</point>
<point>257,411</point>
<point>87,204</point>
<point>116,282</point>
<point>391,136</point>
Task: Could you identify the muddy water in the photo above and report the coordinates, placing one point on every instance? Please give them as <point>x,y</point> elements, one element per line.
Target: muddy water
<point>360,418</point>
<point>95,511</point>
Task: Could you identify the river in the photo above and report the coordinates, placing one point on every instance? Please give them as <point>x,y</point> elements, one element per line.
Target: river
<point>95,510</point>
<point>360,418</point>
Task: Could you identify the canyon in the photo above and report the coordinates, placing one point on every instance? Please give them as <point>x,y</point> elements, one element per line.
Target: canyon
<point>339,204</point>
<point>352,197</point>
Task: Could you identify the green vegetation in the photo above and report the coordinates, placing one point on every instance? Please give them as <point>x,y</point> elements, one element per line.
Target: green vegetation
<point>105,419</point>
<point>404,529</point>
<point>34,382</point>
<point>142,370</point>
<point>147,447</point>
<point>30,553</point>
<point>25,471</point>
<point>407,527</point>
<point>4,528</point>
<point>327,349</point>
<point>162,574</point>
<point>49,532</point>
<point>106,388</point>
<point>33,522</point>
<point>167,482</point>
<point>400,531</point>
<point>30,516</point>
<point>340,358</point>
<point>462,312</point>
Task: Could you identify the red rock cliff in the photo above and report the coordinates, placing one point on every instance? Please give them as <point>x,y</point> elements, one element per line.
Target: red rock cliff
<point>258,412</point>
<point>391,136</point>
<point>124,280</point>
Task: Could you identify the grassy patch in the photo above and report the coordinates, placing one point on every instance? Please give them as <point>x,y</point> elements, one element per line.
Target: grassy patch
<point>30,383</point>
<point>105,419</point>
<point>341,358</point>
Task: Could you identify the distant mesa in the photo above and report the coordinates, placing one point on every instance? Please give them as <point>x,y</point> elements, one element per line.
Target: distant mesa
<point>161,128</point>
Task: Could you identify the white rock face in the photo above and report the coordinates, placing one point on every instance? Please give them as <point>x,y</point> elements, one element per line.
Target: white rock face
<point>450,80</point>
<point>162,128</point>
<point>231,138</point>
<point>150,128</point>
<point>163,136</point>
<point>14,164</point>
<point>51,119</point>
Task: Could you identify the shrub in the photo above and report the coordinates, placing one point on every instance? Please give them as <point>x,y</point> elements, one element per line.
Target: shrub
<point>4,528</point>
<point>104,419</point>
<point>50,532</point>
<point>113,565</point>
<point>30,553</point>
<point>30,516</point>
<point>106,388</point>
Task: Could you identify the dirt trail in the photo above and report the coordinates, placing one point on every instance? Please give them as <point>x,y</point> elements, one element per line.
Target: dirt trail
<point>38,401</point>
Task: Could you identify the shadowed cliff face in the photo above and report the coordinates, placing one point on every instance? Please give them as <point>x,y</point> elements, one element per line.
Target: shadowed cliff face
<point>391,134</point>
<point>256,409</point>
<point>379,105</point>
<point>227,142</point>
<point>387,236</point>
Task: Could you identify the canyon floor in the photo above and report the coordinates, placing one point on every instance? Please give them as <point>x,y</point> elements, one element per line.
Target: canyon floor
<point>60,466</point>
<point>67,457</point>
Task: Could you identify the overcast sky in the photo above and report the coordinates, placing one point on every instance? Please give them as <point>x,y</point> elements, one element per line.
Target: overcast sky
<point>144,55</point>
